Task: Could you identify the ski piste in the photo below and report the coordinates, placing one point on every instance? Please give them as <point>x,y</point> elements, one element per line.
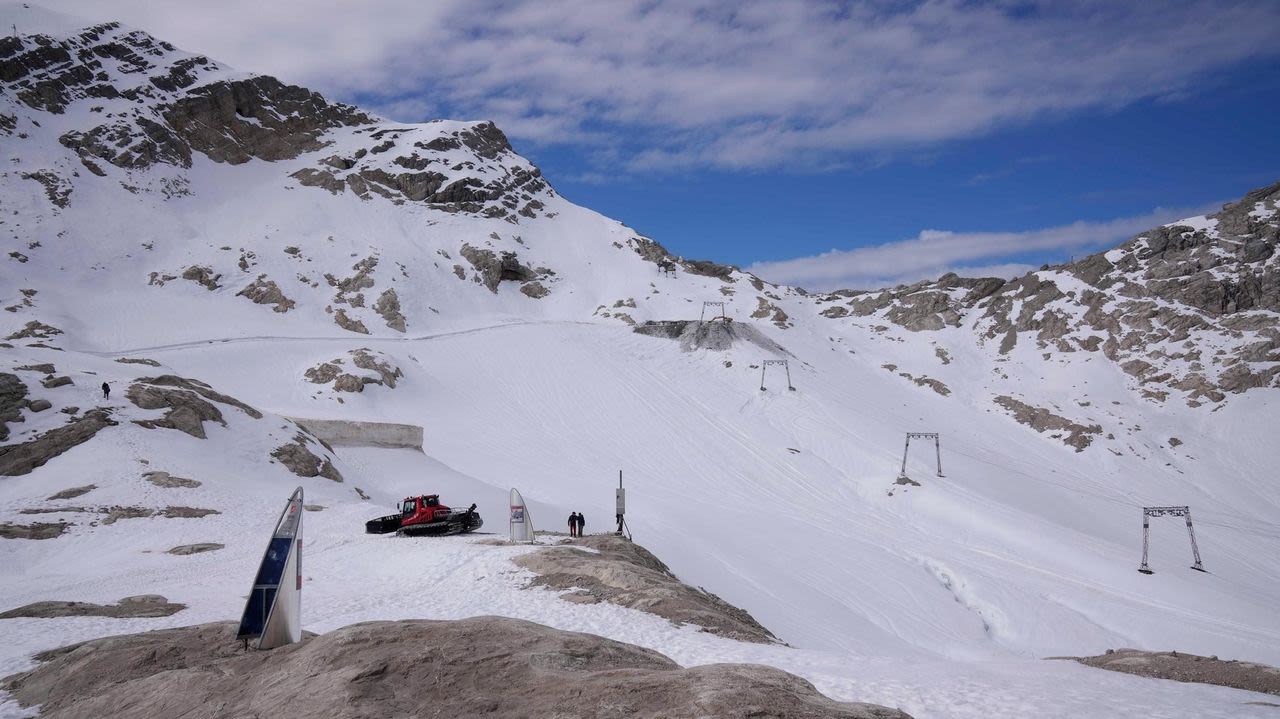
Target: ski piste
<point>273,612</point>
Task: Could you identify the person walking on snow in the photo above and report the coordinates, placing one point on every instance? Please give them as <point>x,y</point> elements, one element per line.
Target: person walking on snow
<point>106,390</point>
<point>582,522</point>
<point>573,524</point>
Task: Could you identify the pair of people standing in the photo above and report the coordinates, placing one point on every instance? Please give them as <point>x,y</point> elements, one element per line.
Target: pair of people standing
<point>576,523</point>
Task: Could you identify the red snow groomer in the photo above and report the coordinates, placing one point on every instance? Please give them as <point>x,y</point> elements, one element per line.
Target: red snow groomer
<point>424,515</point>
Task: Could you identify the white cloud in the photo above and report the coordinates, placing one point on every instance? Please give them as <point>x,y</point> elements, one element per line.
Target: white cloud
<point>722,83</point>
<point>974,254</point>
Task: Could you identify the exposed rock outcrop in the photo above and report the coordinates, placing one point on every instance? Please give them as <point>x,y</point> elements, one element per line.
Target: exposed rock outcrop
<point>18,459</point>
<point>38,530</point>
<point>72,493</point>
<point>188,403</point>
<point>510,668</point>
<point>1183,667</point>
<point>331,372</point>
<point>302,462</point>
<point>347,323</point>
<point>141,606</point>
<point>388,307</point>
<point>169,481</point>
<point>35,330</point>
<point>266,292</point>
<point>1150,305</point>
<point>624,573</point>
<point>203,276</point>
<point>1072,434</point>
<point>493,269</point>
<point>13,397</point>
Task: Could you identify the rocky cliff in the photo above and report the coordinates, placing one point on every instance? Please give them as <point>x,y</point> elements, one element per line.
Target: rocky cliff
<point>1190,310</point>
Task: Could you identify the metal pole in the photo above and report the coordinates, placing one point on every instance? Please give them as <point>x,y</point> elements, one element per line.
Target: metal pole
<point>787,367</point>
<point>1146,528</point>
<point>903,473</point>
<point>1195,551</point>
<point>762,369</point>
<point>937,446</point>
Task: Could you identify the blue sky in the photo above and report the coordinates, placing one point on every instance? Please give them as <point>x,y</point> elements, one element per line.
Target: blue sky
<point>825,143</point>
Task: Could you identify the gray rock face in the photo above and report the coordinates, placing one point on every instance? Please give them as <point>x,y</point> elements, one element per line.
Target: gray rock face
<point>626,574</point>
<point>509,668</point>
<point>141,606</point>
<point>351,325</point>
<point>1072,434</point>
<point>56,189</point>
<point>115,514</point>
<point>536,290</point>
<point>426,172</point>
<point>363,358</point>
<point>141,360</point>
<point>18,459</point>
<point>13,397</point>
<point>266,292</point>
<point>188,403</point>
<point>388,307</point>
<point>1156,300</point>
<point>38,530</point>
<point>259,117</point>
<point>303,463</point>
<point>175,115</point>
<point>494,269</point>
<point>35,329</point>
<point>203,276</point>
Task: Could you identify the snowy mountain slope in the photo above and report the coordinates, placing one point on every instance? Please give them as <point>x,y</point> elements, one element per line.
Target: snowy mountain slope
<point>262,258</point>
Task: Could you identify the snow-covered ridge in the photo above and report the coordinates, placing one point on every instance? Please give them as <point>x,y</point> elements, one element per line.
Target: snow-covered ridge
<point>1189,310</point>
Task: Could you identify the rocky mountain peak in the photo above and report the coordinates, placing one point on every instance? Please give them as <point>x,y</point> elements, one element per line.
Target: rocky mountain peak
<point>120,98</point>
<point>1191,308</point>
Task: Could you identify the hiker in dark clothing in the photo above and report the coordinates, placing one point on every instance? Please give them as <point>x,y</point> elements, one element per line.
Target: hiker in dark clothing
<point>573,524</point>
<point>582,522</point>
<point>106,390</point>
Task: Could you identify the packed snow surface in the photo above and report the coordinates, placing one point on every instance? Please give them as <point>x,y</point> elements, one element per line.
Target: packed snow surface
<point>940,599</point>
